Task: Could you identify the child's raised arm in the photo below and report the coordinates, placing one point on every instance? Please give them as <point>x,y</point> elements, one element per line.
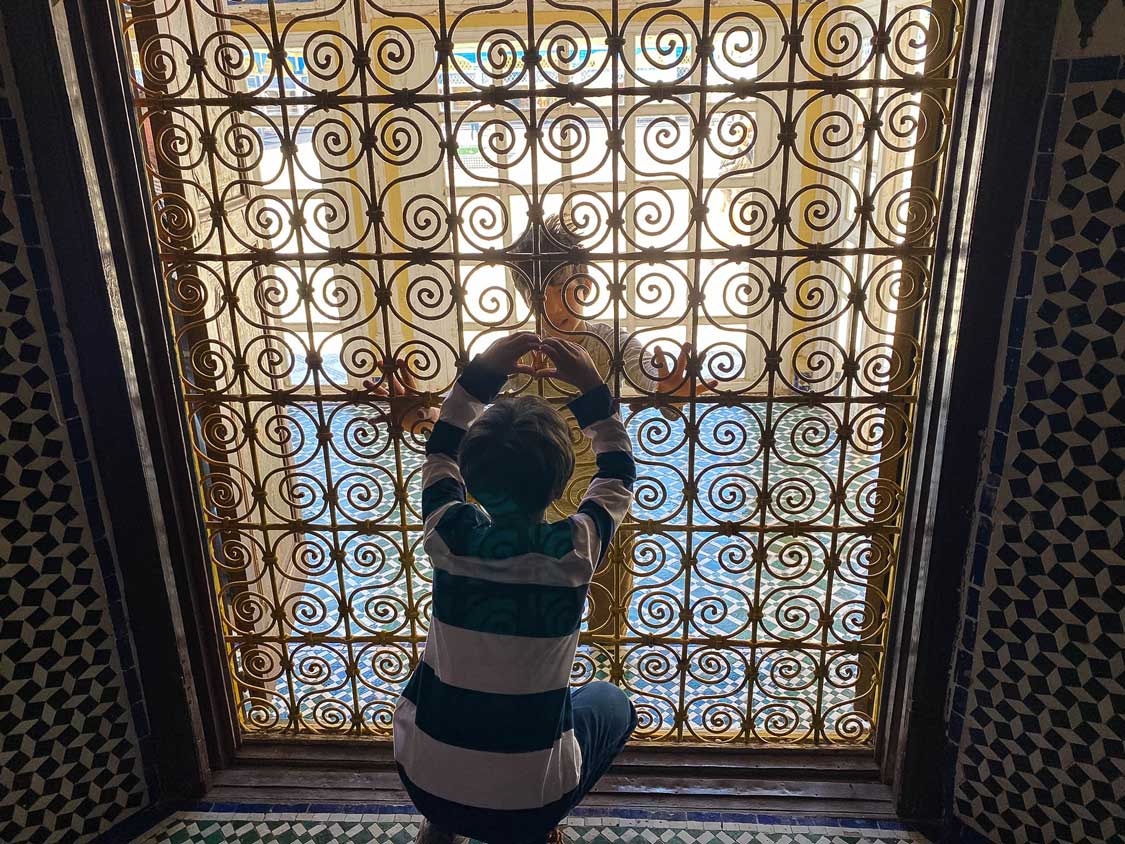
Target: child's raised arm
<point>477,386</point>
<point>607,499</point>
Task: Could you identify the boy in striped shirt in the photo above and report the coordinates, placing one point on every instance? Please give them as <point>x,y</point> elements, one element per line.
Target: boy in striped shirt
<point>490,740</point>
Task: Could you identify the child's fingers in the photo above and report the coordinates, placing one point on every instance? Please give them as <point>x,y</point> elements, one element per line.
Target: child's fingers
<point>538,368</point>
<point>513,344</point>
<point>397,390</point>
<point>559,349</point>
<point>376,389</point>
<point>406,376</point>
<point>523,340</point>
<point>682,358</point>
<point>552,348</point>
<point>390,385</point>
<point>560,359</point>
<point>520,345</point>
<point>535,359</point>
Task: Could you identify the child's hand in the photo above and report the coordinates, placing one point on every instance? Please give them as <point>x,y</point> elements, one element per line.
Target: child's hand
<point>675,382</point>
<point>503,355</point>
<point>572,364</point>
<point>408,411</point>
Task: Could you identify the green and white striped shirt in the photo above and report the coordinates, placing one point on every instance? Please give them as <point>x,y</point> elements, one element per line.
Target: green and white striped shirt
<point>485,720</point>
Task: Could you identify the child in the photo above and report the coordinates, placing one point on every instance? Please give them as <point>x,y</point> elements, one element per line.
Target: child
<point>567,287</point>
<point>554,248</point>
<point>490,740</point>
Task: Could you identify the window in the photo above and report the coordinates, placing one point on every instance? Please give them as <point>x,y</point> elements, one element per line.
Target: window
<point>335,186</point>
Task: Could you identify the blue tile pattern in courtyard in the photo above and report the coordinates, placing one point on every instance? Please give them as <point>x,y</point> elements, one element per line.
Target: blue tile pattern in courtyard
<point>771,609</point>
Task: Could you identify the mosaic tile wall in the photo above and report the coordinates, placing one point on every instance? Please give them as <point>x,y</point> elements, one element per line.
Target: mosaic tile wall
<point>69,760</point>
<point>1038,702</point>
<point>398,825</point>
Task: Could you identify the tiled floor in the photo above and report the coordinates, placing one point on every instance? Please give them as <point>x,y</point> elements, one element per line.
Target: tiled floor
<point>399,825</point>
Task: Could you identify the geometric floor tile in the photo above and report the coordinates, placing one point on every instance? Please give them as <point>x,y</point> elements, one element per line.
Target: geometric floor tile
<point>398,825</point>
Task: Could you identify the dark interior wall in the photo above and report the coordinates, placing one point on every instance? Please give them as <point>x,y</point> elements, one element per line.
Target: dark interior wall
<point>71,713</point>
<point>1035,711</point>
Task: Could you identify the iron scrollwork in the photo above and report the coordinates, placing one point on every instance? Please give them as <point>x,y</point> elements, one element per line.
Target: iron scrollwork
<point>339,186</point>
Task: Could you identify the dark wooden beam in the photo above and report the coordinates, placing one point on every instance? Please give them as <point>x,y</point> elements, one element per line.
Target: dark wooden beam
<point>794,794</point>
<point>104,78</point>
<point>793,781</point>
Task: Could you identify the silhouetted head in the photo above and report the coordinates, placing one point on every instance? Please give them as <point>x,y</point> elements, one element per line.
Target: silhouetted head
<point>517,457</point>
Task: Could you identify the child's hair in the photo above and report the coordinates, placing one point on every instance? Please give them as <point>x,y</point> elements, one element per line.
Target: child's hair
<point>518,452</point>
<point>557,242</point>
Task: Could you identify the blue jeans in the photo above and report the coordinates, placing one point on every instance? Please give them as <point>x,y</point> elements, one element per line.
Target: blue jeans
<point>603,721</point>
